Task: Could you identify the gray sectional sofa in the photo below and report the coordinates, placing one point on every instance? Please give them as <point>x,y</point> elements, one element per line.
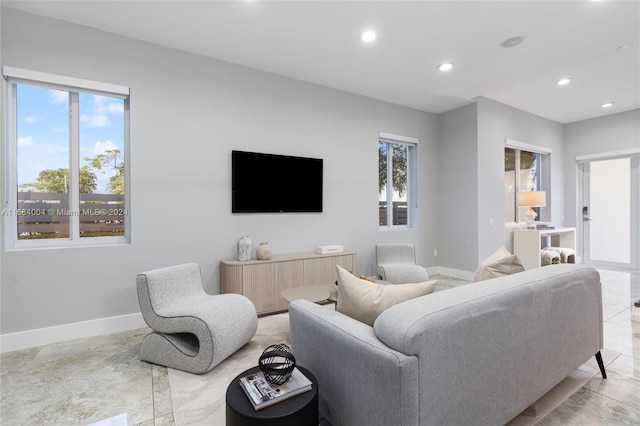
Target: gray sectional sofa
<point>478,354</point>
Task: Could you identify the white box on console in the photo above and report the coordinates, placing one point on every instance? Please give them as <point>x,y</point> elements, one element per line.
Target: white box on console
<point>329,249</point>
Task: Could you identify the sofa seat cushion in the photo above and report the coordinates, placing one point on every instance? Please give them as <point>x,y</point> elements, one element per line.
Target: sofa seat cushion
<point>364,301</point>
<point>499,264</point>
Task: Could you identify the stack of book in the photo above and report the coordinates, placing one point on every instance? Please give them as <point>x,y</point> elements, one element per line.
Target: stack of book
<point>262,394</point>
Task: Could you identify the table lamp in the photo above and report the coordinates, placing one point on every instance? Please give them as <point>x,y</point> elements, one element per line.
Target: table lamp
<point>532,199</point>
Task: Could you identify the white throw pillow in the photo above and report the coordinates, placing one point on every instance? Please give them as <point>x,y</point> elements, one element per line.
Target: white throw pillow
<point>364,301</point>
<point>498,264</point>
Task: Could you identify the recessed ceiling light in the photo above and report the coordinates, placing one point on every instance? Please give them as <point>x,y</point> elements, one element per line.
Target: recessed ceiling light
<point>368,36</point>
<point>607,104</point>
<point>564,81</point>
<point>513,41</point>
<point>446,66</point>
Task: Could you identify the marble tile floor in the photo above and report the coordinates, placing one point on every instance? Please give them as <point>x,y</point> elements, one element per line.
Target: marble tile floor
<point>100,380</point>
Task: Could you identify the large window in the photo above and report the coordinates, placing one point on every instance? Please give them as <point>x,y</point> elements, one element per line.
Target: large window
<point>66,151</point>
<point>526,168</point>
<point>396,180</point>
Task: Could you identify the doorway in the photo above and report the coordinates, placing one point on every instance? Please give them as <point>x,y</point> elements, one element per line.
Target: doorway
<point>608,217</point>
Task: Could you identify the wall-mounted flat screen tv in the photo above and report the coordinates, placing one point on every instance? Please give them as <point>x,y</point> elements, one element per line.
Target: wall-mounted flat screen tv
<point>270,183</point>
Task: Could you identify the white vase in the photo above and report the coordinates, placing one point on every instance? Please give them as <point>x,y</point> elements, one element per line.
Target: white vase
<point>263,252</point>
<point>244,248</point>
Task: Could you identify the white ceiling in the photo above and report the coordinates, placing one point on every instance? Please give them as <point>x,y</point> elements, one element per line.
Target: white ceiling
<point>318,42</point>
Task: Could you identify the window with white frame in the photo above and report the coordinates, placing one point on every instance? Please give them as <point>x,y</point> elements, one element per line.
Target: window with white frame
<point>526,168</point>
<point>66,151</point>
<point>396,181</point>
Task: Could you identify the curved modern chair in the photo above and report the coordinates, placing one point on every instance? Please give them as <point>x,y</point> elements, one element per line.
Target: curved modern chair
<point>192,330</point>
<point>396,263</point>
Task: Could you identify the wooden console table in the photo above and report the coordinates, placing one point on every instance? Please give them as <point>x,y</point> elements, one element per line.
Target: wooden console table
<point>527,243</point>
<point>262,281</point>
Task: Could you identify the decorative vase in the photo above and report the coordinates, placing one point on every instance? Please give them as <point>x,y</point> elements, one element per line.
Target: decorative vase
<point>263,252</point>
<point>244,248</point>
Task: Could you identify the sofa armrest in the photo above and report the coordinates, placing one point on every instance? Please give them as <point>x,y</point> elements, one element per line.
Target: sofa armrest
<point>361,380</point>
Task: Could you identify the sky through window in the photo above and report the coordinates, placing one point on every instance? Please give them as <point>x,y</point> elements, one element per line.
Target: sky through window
<point>43,131</point>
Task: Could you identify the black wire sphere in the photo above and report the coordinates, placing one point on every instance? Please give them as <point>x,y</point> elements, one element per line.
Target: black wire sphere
<point>277,363</point>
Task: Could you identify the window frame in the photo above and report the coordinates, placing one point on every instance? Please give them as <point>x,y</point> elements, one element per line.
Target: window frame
<point>412,180</point>
<point>74,86</point>
<point>544,178</point>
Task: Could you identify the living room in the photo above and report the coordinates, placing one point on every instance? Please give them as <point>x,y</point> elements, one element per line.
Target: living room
<point>189,111</point>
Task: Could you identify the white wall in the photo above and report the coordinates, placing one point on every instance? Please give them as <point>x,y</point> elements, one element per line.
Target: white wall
<point>187,114</point>
<point>472,142</point>
<point>458,229</point>
<point>397,120</point>
<point>497,122</point>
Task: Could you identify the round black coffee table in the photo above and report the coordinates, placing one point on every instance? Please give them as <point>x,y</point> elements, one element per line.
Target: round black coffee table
<point>298,410</point>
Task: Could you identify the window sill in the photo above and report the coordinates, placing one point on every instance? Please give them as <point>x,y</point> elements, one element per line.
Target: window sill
<point>396,228</point>
<point>31,245</point>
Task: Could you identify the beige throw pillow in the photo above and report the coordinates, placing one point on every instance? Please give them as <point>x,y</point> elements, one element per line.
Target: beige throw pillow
<point>498,264</point>
<point>364,301</point>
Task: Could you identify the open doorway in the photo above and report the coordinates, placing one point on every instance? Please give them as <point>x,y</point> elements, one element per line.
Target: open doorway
<point>609,221</point>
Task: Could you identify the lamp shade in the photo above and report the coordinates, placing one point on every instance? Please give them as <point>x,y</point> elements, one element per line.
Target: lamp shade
<point>532,199</point>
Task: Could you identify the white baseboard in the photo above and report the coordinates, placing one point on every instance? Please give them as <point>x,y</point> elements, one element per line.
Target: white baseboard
<point>62,333</point>
<point>450,272</point>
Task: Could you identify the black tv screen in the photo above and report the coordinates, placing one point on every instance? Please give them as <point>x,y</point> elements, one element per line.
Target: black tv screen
<point>269,183</point>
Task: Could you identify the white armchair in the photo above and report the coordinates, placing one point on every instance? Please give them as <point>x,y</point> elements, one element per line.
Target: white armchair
<point>396,263</point>
<point>192,330</point>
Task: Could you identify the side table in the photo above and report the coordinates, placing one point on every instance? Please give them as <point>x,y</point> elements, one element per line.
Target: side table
<point>298,410</point>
